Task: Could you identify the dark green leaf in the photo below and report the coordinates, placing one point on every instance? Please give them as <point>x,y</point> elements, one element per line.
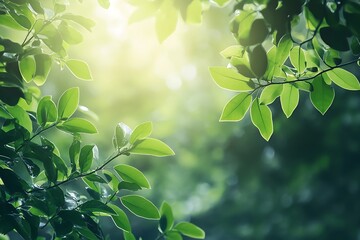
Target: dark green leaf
<point>336,37</point>
<point>11,95</point>
<point>322,96</point>
<point>166,221</point>
<point>43,64</point>
<point>27,67</point>
<point>46,111</point>
<point>258,61</point>
<point>95,206</point>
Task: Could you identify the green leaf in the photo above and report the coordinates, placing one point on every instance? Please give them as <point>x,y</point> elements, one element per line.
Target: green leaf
<point>123,185</point>
<point>236,108</point>
<point>229,79</point>
<point>140,206</point>
<point>104,3</point>
<point>133,175</point>
<point>166,221</point>
<point>289,99</point>
<point>344,79</point>
<point>141,131</point>
<point>82,21</point>
<point>51,171</point>
<point>283,50</point>
<point>46,111</point>
<point>297,58</point>
<point>222,3</point>
<point>121,135</point>
<point>96,206</point>
<point>68,103</point>
<point>262,118</point>
<point>322,96</point>
<point>258,61</point>
<point>79,69</point>
<point>86,157</point>
<point>77,125</point>
<point>21,116</point>
<point>112,180</point>
<point>190,230</point>
<point>128,236</point>
<point>151,146</point>
<point>232,51</point>
<point>173,235</point>
<point>270,93</point>
<point>194,12</point>
<point>69,33</point>
<point>145,10</point>
<point>166,20</point>
<point>95,178</point>
<point>120,219</point>
<point>43,64</point>
<point>11,181</point>
<point>27,68</point>
<point>336,37</point>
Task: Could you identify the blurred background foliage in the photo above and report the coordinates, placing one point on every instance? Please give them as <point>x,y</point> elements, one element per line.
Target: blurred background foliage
<point>302,184</point>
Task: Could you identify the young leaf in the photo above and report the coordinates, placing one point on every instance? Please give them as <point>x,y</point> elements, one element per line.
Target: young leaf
<point>133,175</point>
<point>270,93</point>
<point>236,108</point>
<point>141,131</point>
<point>96,206</point>
<point>151,146</point>
<point>190,230</point>
<point>289,99</point>
<point>194,12</point>
<point>121,135</point>
<point>68,103</point>
<point>229,79</point>
<point>232,51</point>
<point>79,69</point>
<point>297,58</point>
<point>262,118</point>
<point>140,206</point>
<point>46,111</point>
<point>104,3</point>
<point>344,79</point>
<point>86,157</point>
<point>120,219</point>
<point>27,68</point>
<point>166,221</point>
<point>166,20</point>
<point>322,96</point>
<point>77,125</point>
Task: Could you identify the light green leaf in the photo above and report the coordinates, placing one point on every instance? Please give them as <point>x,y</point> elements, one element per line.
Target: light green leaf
<point>151,146</point>
<point>112,180</point>
<point>77,125</point>
<point>46,111</point>
<point>222,3</point>
<point>232,51</point>
<point>96,206</point>
<point>141,131</point>
<point>194,12</point>
<point>173,235</point>
<point>344,79</point>
<point>289,99</point>
<point>262,118</point>
<point>121,135</point>
<point>322,96</point>
<point>21,116</point>
<point>229,79</point>
<point>270,93</point>
<point>79,69</point>
<point>283,50</point>
<point>82,21</point>
<point>297,58</point>
<point>166,20</point>
<point>120,219</point>
<point>128,236</point>
<point>236,108</point>
<point>43,66</point>
<point>133,175</point>
<point>140,206</point>
<point>68,103</point>
<point>86,157</point>
<point>69,33</point>
<point>104,3</point>
<point>145,10</point>
<point>190,230</point>
<point>166,217</point>
<point>27,68</point>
